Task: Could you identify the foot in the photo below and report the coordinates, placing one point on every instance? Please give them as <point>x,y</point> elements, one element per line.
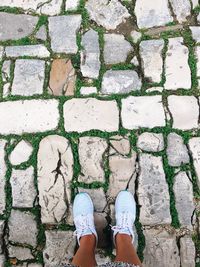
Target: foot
<point>83,213</point>
<point>125,213</point>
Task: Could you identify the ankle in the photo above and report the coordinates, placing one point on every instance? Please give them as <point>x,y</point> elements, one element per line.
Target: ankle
<point>123,238</point>
<point>89,241</point>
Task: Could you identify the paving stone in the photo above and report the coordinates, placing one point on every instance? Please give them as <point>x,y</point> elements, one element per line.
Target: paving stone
<point>176,65</point>
<point>153,192</point>
<point>116,48</point>
<point>195,33</point>
<point>2,260</point>
<point>20,253</point>
<point>152,62</point>
<point>6,89</point>
<point>151,142</point>
<point>181,8</point>
<point>50,8</point>
<point>101,258</point>
<point>108,14</point>
<point>155,89</point>
<point>98,198</point>
<point>15,27</point>
<point>55,172</point>
<point>88,90</point>
<point>2,225</point>
<point>71,5</point>
<point>28,116</point>
<point>90,55</point>
<point>41,34</point>
<point>194,147</point>
<point>60,246</point>
<point>22,228</point>
<point>136,113</point>
<point>62,78</point>
<point>29,77</point>
<point>136,36</point>
<point>101,224</point>
<point>23,188</point>
<point>6,70</point>
<point>156,14</point>
<point>91,152</point>
<point>1,52</point>
<point>195,3</point>
<point>120,82</point>
<point>161,249</point>
<point>187,252</point>
<point>21,153</point>
<point>27,50</point>
<point>120,145</point>
<point>62,31</point>
<point>156,31</point>
<point>197,53</point>
<point>3,170</point>
<point>184,111</point>
<point>82,115</point>
<point>183,193</point>
<point>135,61</point>
<point>198,18</point>
<point>122,169</point>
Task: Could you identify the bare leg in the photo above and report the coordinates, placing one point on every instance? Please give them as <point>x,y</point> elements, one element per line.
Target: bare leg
<point>85,255</point>
<point>125,250</point>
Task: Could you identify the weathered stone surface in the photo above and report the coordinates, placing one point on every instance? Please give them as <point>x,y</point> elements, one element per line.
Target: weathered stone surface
<point>176,65</point>
<point>198,18</point>
<point>28,116</point>
<point>187,252</point>
<point>152,62</point>
<point>90,55</point>
<point>2,260</point>
<point>177,153</point>
<point>55,172</point>
<point>101,258</point>
<point>142,111</point>
<point>197,53</point>
<point>23,189</point>
<point>151,142</point>
<point>123,170</point>
<point>22,228</point>
<point>98,197</point>
<point>91,151</point>
<point>6,70</point>
<point>195,3</point>
<point>184,199</point>
<point>82,115</point>
<point>21,153</point>
<point>41,34</point>
<point>135,61</point>
<point>59,248</point>
<point>181,8</point>
<point>71,5</point>
<point>120,145</point>
<point>27,50</point>
<point>3,169</point>
<point>153,192</point>
<point>88,90</point>
<point>156,14</point>
<point>194,147</point>
<point>6,89</point>
<point>108,14</point>
<point>155,89</point>
<point>20,253</point>
<point>116,48</point>
<point>28,77</point>
<point>156,31</point>
<point>136,36</point>
<point>2,224</point>
<point>100,224</point>
<point>161,249</point>
<point>184,111</point>
<point>14,27</point>
<point>62,77</point>
<point>195,33</point>
<point>120,82</point>
<point>62,31</point>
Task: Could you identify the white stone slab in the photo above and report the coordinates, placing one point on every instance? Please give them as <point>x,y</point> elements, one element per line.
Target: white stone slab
<point>3,169</point>
<point>21,153</point>
<point>194,146</point>
<point>88,90</point>
<point>181,8</point>
<point>71,5</point>
<point>27,50</point>
<point>187,252</point>
<point>197,53</point>
<point>195,33</point>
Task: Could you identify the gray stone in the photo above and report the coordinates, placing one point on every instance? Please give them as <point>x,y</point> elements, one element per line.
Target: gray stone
<point>2,225</point>
<point>27,51</point>
<point>101,224</point>
<point>184,199</point>
<point>195,33</point>
<point>136,36</point>
<point>55,172</point>
<point>116,48</point>
<point>155,89</point>
<point>152,62</point>
<point>197,54</point>
<point>101,258</point>
<point>2,260</point>
<point>71,5</point>
<point>120,82</point>
<point>28,116</point>
<point>59,248</point>
<point>6,89</point>
<point>88,90</point>
<point>29,77</point>
<point>23,189</point>
<point>6,70</point>
<point>195,3</point>
<point>194,147</point>
<point>14,27</point>
<point>134,112</point>
<point>108,14</point>
<point>20,253</point>
<point>198,18</point>
<point>177,153</point>
<point>3,170</point>
<point>98,197</point>
<point>91,151</point>
<point>176,65</point>
<point>187,252</point>
<point>82,115</point>
<point>153,192</point>
<point>23,228</point>
<point>181,8</point>
<point>21,153</point>
<point>135,61</point>
<point>1,52</point>
<point>151,142</point>
<point>161,249</point>
<point>41,34</point>
<point>184,111</point>
<point>120,145</point>
<point>156,14</point>
<point>62,31</point>
<point>90,55</point>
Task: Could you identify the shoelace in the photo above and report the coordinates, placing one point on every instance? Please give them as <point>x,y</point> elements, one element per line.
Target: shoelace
<point>125,222</point>
<point>83,222</point>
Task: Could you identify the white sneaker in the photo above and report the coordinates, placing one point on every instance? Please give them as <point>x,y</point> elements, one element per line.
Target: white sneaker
<point>83,213</point>
<point>125,213</point>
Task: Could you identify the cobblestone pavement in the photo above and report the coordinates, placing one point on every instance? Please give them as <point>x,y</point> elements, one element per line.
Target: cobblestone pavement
<point>99,96</point>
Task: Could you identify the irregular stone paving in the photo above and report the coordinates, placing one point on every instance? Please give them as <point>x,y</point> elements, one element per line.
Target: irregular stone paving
<point>99,96</point>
